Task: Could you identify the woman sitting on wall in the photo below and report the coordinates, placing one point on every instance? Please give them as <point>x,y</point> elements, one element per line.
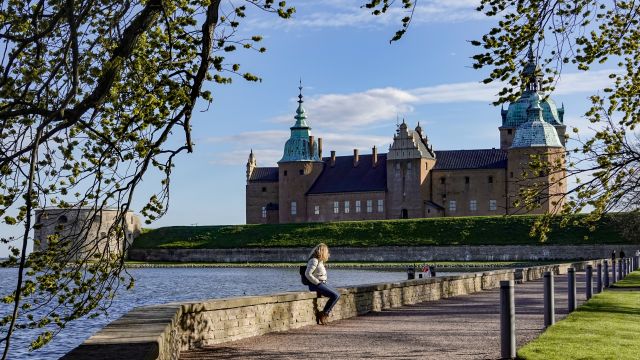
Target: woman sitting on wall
<point>317,274</point>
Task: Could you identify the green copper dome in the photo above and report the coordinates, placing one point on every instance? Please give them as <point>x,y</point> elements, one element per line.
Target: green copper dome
<point>299,147</point>
<point>536,132</point>
<point>516,114</point>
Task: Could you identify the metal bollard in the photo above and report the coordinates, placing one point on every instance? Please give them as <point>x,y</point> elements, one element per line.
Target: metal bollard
<point>606,273</point>
<point>507,320</point>
<point>614,276</point>
<point>571,276</point>
<point>620,275</point>
<point>599,280</point>
<point>549,300</point>
<point>589,284</point>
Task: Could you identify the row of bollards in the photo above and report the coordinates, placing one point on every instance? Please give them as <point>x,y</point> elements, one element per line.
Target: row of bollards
<point>507,300</point>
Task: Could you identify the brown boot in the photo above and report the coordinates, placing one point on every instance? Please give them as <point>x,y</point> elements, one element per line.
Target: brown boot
<point>323,318</point>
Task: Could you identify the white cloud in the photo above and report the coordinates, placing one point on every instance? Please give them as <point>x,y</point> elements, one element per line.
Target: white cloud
<point>382,105</point>
<point>344,13</point>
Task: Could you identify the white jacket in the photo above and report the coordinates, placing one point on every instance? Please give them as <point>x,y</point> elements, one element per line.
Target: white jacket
<point>316,272</point>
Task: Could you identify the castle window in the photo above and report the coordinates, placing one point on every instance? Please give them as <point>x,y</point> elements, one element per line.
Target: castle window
<point>490,179</point>
<point>264,212</point>
<point>442,180</point>
<point>511,174</point>
<point>301,171</point>
<point>369,206</point>
<point>509,131</point>
<point>285,173</point>
<point>357,206</point>
<point>409,166</point>
<point>294,208</point>
<point>316,209</point>
<point>466,179</point>
<point>473,205</point>
<point>346,207</point>
<point>380,206</point>
<point>452,205</point>
<point>492,205</point>
<point>336,207</point>
<point>264,189</point>
<point>62,219</point>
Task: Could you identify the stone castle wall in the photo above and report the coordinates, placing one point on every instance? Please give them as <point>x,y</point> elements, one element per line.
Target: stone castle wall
<point>84,234</point>
<point>388,253</point>
<point>258,195</point>
<point>452,185</point>
<point>326,203</point>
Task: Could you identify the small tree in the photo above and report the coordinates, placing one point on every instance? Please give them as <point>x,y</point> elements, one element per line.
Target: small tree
<point>90,95</point>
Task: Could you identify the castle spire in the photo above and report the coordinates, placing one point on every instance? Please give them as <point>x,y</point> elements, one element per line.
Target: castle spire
<point>531,72</point>
<point>301,116</point>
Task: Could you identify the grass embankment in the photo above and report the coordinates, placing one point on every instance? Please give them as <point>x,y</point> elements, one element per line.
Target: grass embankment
<point>487,230</point>
<point>605,327</point>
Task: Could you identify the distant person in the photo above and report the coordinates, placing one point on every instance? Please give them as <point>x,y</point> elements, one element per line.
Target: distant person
<point>317,275</point>
<point>433,270</point>
<point>621,254</point>
<point>613,256</point>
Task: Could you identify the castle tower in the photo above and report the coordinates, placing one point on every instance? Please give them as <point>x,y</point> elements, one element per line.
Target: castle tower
<point>409,161</point>
<point>251,164</point>
<point>298,169</point>
<point>536,140</point>
<point>516,114</point>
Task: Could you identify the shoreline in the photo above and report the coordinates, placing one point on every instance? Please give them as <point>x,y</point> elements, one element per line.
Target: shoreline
<point>458,266</point>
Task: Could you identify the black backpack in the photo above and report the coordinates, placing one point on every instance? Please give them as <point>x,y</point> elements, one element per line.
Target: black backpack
<point>303,277</point>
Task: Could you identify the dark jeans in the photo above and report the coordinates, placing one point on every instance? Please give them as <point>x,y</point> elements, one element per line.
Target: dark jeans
<point>326,290</point>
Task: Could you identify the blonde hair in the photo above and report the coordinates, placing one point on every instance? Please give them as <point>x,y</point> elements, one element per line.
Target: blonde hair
<point>320,252</point>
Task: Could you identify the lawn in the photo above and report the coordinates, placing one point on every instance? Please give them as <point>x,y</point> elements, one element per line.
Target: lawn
<point>606,327</point>
<point>479,230</point>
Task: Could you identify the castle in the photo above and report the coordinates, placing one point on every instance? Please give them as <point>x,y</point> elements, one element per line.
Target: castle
<point>413,180</point>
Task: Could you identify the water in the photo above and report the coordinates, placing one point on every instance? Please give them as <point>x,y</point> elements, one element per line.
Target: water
<point>163,285</point>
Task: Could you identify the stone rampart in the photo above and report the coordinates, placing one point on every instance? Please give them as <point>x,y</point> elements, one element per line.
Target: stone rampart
<point>163,331</point>
<point>388,253</point>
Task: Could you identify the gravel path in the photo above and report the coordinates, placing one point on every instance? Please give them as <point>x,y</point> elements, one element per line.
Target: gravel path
<point>463,327</point>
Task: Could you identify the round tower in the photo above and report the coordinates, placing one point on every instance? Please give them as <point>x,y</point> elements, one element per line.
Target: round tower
<point>536,140</point>
<point>298,169</point>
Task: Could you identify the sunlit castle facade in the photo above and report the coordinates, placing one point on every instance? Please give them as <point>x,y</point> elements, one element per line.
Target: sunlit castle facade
<point>413,180</point>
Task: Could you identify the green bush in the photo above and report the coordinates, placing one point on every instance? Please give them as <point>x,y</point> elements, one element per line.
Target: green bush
<point>487,230</point>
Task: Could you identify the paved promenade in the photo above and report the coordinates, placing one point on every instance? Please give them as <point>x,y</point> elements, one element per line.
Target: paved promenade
<point>464,327</point>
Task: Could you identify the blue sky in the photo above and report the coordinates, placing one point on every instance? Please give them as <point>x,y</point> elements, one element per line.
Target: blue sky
<point>355,86</point>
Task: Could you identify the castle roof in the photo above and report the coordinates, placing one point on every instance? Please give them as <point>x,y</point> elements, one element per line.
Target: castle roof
<point>471,159</point>
<point>264,174</point>
<point>516,114</point>
<point>344,177</point>
<point>536,132</point>
<point>300,146</point>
